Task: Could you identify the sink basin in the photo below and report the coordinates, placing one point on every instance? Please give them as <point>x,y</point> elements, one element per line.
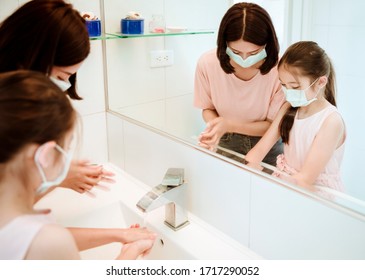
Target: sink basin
<point>115,206</point>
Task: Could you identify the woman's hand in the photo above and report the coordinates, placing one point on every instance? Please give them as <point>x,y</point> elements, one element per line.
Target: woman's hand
<point>83,176</point>
<point>215,129</point>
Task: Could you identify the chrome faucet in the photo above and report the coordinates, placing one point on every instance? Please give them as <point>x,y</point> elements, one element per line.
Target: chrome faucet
<point>171,194</point>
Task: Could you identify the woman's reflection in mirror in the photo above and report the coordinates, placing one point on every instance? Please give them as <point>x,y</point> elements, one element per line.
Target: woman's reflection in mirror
<point>309,124</point>
<point>237,84</point>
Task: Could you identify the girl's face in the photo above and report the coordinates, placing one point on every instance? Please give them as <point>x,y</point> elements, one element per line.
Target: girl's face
<point>291,81</point>
<point>244,49</point>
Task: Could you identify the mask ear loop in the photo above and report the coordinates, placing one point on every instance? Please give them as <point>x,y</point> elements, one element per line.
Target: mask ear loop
<point>40,157</point>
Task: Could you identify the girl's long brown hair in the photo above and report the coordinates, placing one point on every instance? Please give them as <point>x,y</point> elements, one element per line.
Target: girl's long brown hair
<point>32,110</point>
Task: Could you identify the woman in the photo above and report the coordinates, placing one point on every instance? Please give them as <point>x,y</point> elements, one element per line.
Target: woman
<point>37,124</point>
<point>51,37</point>
<point>237,85</point>
<point>310,125</point>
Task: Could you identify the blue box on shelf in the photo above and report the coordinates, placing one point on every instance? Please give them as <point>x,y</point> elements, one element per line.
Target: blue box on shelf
<point>93,27</point>
<point>132,26</point>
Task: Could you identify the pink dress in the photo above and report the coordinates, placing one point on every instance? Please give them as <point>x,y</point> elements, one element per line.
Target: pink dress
<point>245,101</point>
<point>17,236</point>
<point>301,138</point>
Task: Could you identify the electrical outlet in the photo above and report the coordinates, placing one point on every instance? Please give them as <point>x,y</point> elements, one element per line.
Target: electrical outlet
<point>161,58</point>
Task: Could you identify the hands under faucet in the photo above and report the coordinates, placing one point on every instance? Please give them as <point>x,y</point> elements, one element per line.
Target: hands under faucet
<point>138,243</point>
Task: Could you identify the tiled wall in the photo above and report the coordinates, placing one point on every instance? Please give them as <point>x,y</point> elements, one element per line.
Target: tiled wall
<point>273,221</point>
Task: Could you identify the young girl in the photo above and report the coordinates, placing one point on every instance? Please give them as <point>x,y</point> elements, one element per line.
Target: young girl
<point>36,127</point>
<point>309,124</point>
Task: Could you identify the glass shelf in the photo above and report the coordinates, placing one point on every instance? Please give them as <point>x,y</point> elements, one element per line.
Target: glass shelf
<point>105,36</point>
<point>118,35</point>
<point>186,32</point>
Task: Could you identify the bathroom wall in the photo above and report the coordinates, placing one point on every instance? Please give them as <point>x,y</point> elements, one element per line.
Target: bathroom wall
<point>92,108</point>
<point>272,220</point>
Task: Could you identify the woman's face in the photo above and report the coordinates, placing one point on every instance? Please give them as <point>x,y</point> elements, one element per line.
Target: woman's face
<point>63,73</point>
<point>245,49</point>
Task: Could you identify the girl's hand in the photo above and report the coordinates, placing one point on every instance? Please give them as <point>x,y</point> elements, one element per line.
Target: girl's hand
<point>133,250</point>
<point>135,233</point>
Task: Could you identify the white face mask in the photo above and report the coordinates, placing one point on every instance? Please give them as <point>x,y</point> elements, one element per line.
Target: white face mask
<point>63,85</point>
<point>249,61</point>
<point>297,97</point>
<point>45,185</point>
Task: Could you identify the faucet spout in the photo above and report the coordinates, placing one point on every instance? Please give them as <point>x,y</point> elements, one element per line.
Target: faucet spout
<point>171,194</point>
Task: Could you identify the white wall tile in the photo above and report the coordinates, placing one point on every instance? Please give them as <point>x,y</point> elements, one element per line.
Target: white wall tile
<point>352,170</point>
<point>321,11</point>
<point>320,34</point>
<point>90,82</point>
<point>191,13</point>
<point>182,119</point>
<point>152,113</point>
<point>115,140</point>
<point>350,14</point>
<point>87,6</point>
<point>287,225</point>
<point>92,143</point>
<point>187,50</point>
<point>7,7</point>
<point>345,45</point>
<point>130,79</point>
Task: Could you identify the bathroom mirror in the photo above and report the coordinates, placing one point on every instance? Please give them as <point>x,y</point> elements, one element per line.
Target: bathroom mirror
<point>162,97</point>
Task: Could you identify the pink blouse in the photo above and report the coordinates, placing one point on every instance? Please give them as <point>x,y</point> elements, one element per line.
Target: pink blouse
<point>245,101</point>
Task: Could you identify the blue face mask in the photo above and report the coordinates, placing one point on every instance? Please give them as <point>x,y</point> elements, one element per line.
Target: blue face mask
<point>297,97</point>
<point>45,185</point>
<point>63,85</point>
<point>249,61</point>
